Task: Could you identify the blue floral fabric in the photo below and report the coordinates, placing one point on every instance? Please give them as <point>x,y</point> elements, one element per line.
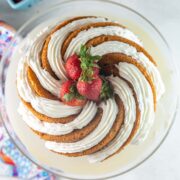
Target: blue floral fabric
<point>12,162</point>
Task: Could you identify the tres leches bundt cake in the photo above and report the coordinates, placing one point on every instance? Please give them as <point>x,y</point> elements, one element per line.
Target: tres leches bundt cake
<point>88,87</point>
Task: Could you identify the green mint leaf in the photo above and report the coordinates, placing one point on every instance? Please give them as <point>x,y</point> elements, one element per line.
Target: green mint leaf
<point>106,90</point>
<point>88,62</point>
<point>83,51</point>
<point>78,96</point>
<point>73,94</point>
<point>68,97</point>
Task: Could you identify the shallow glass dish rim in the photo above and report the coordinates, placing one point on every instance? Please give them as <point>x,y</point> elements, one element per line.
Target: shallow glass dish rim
<point>1,90</point>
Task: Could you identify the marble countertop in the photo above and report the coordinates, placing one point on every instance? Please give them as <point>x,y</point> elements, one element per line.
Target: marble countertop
<point>165,15</point>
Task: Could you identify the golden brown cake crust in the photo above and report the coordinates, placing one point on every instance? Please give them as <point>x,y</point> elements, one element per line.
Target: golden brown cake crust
<point>75,135</point>
<point>109,137</point>
<point>37,87</point>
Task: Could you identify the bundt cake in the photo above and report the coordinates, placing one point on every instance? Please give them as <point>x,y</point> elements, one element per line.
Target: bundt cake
<point>88,87</point>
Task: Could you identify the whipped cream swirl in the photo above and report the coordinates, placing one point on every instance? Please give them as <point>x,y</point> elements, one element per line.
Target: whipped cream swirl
<point>125,93</point>
<point>110,111</point>
<point>140,57</point>
<point>84,36</point>
<point>86,115</point>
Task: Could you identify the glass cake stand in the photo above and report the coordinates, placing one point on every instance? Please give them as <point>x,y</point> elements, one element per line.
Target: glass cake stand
<point>132,156</point>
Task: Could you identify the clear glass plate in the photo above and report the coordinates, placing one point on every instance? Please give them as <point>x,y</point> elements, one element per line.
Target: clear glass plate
<point>33,148</point>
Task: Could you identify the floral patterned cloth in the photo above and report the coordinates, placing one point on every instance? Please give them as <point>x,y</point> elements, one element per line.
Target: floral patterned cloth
<point>12,162</point>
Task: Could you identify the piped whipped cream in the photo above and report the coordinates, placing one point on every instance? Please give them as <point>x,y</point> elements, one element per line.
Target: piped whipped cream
<point>54,48</point>
<point>125,93</point>
<point>140,57</point>
<point>84,36</point>
<point>85,116</point>
<point>33,60</point>
<point>110,111</point>
<point>48,107</point>
<point>144,97</point>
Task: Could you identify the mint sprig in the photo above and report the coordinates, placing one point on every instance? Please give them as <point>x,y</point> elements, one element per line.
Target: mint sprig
<point>73,93</point>
<point>106,90</point>
<point>88,62</point>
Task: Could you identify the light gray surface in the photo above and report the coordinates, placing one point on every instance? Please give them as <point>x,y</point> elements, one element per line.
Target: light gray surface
<point>165,15</point>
